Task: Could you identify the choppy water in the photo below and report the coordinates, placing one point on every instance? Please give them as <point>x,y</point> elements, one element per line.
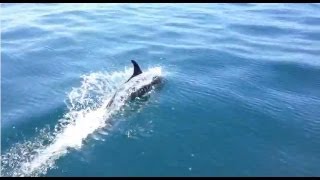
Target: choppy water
<point>241,95</point>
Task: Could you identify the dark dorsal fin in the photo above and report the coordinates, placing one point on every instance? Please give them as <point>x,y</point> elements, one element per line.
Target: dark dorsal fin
<point>136,69</point>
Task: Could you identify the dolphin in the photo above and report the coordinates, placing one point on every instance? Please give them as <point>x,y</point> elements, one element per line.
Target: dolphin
<point>137,92</point>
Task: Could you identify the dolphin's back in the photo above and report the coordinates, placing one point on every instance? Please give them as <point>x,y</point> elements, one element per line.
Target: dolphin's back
<point>140,91</point>
<point>136,72</point>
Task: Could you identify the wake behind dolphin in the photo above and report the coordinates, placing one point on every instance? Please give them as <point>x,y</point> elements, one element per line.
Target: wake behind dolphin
<point>91,107</point>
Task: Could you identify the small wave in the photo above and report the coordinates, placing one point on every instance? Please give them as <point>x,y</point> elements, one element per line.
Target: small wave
<point>87,114</point>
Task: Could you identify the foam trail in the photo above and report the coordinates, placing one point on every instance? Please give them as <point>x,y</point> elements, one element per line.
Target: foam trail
<point>87,114</point>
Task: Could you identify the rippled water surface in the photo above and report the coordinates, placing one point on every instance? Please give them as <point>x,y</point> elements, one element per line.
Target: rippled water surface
<point>241,91</point>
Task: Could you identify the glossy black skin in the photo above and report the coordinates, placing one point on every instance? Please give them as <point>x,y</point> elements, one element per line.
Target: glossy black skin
<point>145,89</point>
<point>141,91</point>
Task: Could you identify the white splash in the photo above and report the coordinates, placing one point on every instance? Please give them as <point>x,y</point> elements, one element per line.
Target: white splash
<point>87,114</point>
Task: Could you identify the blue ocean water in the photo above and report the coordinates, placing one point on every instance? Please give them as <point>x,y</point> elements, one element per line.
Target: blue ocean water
<point>241,95</point>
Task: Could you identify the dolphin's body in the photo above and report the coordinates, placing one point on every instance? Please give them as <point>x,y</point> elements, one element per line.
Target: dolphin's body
<point>134,92</point>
